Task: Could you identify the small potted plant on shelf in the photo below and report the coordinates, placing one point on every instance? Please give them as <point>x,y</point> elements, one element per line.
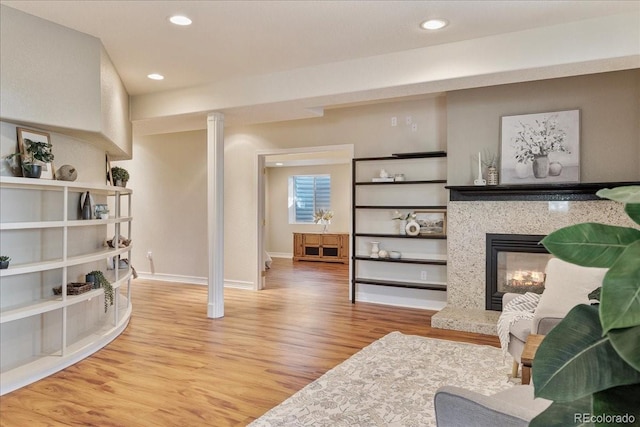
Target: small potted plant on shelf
<point>120,176</point>
<point>4,262</point>
<point>35,154</point>
<point>102,282</point>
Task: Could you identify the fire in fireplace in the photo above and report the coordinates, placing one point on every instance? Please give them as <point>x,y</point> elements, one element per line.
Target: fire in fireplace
<point>515,263</point>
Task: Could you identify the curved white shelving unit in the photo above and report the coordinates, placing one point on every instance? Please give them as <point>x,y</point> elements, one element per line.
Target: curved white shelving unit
<point>43,333</point>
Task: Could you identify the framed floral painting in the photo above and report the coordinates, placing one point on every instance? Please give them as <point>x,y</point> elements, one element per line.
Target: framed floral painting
<point>540,148</point>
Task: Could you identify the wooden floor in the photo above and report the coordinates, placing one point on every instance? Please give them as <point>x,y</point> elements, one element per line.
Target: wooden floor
<point>175,367</point>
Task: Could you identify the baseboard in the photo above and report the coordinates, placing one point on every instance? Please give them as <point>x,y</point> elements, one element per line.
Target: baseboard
<point>280,255</point>
<point>190,280</point>
<point>193,280</point>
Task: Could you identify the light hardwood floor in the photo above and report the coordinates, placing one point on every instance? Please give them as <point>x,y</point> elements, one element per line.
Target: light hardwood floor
<point>175,367</point>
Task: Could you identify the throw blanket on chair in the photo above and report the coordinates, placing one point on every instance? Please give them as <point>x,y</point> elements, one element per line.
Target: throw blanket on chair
<point>521,307</point>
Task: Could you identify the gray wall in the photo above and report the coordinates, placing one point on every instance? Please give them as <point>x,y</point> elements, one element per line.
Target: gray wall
<point>609,105</point>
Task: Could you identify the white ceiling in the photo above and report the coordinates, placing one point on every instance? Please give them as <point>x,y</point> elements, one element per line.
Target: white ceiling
<point>236,39</point>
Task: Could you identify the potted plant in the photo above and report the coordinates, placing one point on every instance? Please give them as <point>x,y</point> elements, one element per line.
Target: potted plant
<point>35,154</point>
<point>102,282</point>
<point>4,262</point>
<point>589,364</point>
<point>120,176</point>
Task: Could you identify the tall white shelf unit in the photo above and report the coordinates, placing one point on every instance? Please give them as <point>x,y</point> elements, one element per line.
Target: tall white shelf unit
<point>373,206</point>
<point>42,333</point>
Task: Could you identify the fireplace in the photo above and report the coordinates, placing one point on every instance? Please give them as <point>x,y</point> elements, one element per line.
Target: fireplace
<point>515,263</point>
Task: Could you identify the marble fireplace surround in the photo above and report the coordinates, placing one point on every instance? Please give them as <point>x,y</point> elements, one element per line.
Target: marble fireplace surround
<point>468,222</point>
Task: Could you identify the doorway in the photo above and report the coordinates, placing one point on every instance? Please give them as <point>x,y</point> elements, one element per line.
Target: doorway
<point>291,160</point>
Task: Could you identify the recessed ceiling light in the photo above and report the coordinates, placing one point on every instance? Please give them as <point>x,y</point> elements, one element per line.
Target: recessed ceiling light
<point>279,164</point>
<point>434,24</point>
<point>156,76</point>
<point>180,20</point>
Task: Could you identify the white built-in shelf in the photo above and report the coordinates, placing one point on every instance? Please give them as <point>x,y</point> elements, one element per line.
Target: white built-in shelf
<point>55,302</point>
<point>39,366</point>
<point>50,184</point>
<point>80,340</point>
<point>35,267</point>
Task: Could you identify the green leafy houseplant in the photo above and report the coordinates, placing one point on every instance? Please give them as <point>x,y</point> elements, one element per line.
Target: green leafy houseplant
<point>102,282</point>
<point>119,174</point>
<point>589,364</point>
<point>34,152</point>
<point>4,261</point>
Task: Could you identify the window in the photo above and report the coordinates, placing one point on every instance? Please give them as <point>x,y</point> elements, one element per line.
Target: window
<point>307,194</point>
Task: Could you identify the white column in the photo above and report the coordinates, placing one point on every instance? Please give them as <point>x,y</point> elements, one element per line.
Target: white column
<point>215,213</point>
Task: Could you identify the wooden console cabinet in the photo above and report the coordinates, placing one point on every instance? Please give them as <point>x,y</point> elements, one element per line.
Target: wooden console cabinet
<point>326,247</point>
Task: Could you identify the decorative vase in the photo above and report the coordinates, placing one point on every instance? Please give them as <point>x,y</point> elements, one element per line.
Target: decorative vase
<point>522,170</point>
<point>555,168</point>
<point>120,183</point>
<point>91,278</point>
<point>375,249</point>
<point>86,206</point>
<point>412,228</point>
<point>541,166</point>
<point>325,225</point>
<point>492,175</point>
<point>4,265</point>
<point>31,171</point>
<point>401,227</point>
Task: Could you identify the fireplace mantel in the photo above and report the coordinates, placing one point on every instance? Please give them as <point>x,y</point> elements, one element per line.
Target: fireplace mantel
<point>531,192</point>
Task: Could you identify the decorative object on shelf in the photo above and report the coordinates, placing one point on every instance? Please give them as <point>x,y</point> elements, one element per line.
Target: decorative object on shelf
<point>86,202</point>
<point>432,221</point>
<point>603,336</point>
<point>401,221</point>
<point>101,211</point>
<point>67,173</point>
<point>75,288</point>
<point>102,282</point>
<point>323,217</point>
<point>383,254</point>
<point>91,278</point>
<point>122,242</point>
<point>538,141</point>
<point>399,177</point>
<point>4,262</point>
<point>412,228</point>
<point>384,173</point>
<point>395,255</point>
<point>375,249</point>
<point>491,162</point>
<point>35,153</point>
<point>479,180</point>
<point>107,162</point>
<point>492,175</point>
<point>120,176</point>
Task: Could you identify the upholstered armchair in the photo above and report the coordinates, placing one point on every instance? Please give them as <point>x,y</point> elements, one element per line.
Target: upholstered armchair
<point>566,285</point>
<point>514,407</point>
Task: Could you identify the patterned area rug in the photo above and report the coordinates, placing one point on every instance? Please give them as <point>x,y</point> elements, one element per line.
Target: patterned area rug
<point>392,383</point>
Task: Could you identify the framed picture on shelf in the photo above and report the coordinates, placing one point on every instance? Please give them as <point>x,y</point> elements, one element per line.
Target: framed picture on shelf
<point>33,144</point>
<point>432,222</point>
<point>540,148</point>
<point>108,167</point>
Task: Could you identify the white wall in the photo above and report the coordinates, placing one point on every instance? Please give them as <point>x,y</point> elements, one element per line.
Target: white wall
<point>168,174</point>
<point>278,232</point>
<point>50,73</point>
<point>63,81</point>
